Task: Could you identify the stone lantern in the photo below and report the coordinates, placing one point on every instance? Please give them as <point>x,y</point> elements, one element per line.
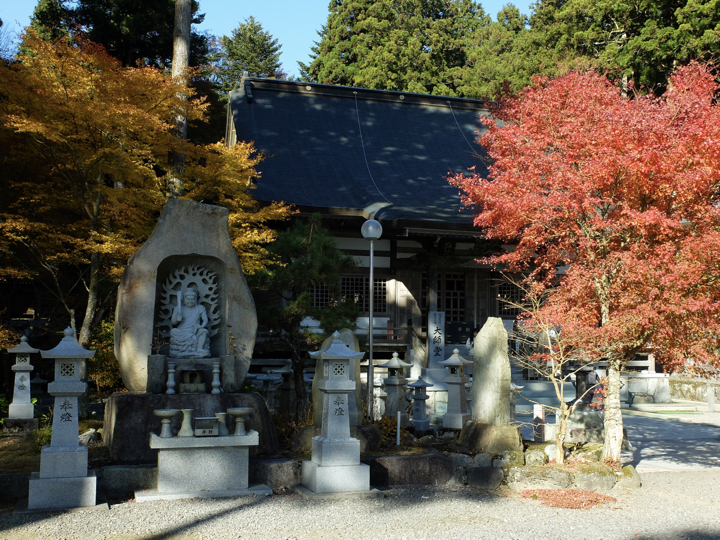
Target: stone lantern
<point>287,388</point>
<point>457,411</point>
<point>419,397</point>
<point>21,408</point>
<point>63,480</point>
<point>335,465</point>
<point>395,388</point>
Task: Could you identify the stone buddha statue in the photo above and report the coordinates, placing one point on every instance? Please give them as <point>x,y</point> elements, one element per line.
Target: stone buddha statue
<point>189,337</point>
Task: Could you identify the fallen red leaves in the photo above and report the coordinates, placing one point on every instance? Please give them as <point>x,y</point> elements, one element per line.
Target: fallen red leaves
<point>580,499</point>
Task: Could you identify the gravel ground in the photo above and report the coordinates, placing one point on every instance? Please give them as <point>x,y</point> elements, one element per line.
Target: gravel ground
<point>669,505</point>
<point>674,504</point>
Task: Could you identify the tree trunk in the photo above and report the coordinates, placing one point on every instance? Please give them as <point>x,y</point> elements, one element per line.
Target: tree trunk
<point>93,287</point>
<point>613,414</point>
<point>181,37</point>
<point>561,432</point>
<point>180,62</point>
<point>298,366</point>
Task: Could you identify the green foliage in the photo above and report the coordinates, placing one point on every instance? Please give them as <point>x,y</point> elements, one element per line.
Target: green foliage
<point>50,19</point>
<point>305,257</point>
<point>131,31</point>
<point>504,56</point>
<point>412,45</point>
<point>644,41</point>
<point>42,436</point>
<point>249,48</point>
<point>103,368</point>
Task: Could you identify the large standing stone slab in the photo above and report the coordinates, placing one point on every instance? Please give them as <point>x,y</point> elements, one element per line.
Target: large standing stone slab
<point>491,375</point>
<point>188,235</point>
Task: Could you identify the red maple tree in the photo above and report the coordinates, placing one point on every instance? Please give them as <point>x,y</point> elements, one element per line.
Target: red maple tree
<point>624,193</point>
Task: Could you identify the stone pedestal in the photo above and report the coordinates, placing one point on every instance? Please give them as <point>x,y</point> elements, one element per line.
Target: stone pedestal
<point>21,407</point>
<point>457,412</point>
<point>335,466</point>
<point>63,480</point>
<point>202,466</point>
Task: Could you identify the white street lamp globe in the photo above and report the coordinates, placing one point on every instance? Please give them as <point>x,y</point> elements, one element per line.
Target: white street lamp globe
<point>371,229</point>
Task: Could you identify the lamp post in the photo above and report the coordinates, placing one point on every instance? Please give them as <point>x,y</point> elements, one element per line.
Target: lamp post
<point>371,230</point>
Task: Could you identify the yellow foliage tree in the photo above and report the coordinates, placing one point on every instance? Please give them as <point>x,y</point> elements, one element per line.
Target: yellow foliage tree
<point>86,151</point>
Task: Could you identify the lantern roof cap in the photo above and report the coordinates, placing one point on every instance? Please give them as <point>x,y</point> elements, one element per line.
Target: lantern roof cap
<point>68,348</point>
<point>395,363</point>
<point>337,349</point>
<point>420,383</point>
<point>455,360</point>
<point>23,348</point>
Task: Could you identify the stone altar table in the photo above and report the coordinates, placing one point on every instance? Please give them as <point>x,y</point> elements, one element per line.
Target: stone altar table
<point>208,467</point>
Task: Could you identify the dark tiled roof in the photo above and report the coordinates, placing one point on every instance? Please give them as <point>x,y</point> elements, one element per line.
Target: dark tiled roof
<point>392,164</point>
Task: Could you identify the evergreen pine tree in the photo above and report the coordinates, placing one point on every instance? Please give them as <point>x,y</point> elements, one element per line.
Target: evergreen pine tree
<point>408,45</point>
<point>251,49</point>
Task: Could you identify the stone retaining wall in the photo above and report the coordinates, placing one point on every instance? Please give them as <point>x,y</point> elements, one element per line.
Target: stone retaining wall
<point>690,389</point>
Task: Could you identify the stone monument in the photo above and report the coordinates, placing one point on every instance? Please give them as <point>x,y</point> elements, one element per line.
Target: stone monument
<point>491,430</point>
<point>185,329</point>
<point>63,480</point>
<point>335,465</point>
<point>183,299</point>
<point>22,411</point>
<point>457,412</point>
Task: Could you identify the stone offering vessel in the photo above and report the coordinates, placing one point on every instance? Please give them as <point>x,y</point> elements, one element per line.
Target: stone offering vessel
<point>183,301</point>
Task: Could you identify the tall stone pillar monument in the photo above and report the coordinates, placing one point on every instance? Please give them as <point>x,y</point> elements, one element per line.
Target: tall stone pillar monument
<point>491,429</point>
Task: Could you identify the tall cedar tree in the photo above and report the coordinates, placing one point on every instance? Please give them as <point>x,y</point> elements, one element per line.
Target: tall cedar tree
<point>306,258</point>
<point>625,192</point>
<point>99,137</point>
<point>131,31</point>
<point>507,54</point>
<point>251,49</point>
<point>643,41</point>
<point>408,45</point>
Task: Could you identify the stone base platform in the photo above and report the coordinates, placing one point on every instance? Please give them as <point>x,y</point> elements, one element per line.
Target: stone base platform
<point>190,464</point>
<point>129,420</point>
<point>455,420</point>
<point>371,494</point>
<point>21,507</point>
<point>154,495</point>
<point>335,479</point>
<point>51,493</point>
<point>21,411</point>
<point>20,425</point>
